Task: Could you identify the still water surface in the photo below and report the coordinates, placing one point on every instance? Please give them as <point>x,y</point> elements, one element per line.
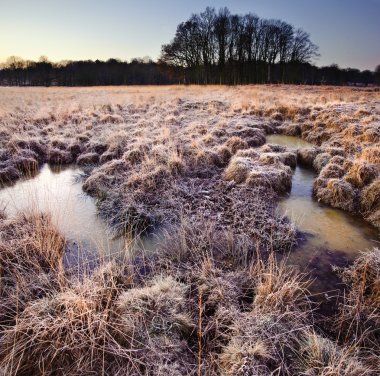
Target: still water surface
<point>58,191</point>
<point>333,236</point>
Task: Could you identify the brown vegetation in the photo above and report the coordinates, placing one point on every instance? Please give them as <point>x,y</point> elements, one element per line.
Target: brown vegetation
<point>211,298</point>
<point>142,315</point>
<point>359,317</point>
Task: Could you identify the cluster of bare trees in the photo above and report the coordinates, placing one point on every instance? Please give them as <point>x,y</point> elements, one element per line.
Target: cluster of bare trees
<point>227,48</point>
<point>213,47</point>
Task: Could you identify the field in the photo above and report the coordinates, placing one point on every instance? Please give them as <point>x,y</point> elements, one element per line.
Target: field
<point>212,298</point>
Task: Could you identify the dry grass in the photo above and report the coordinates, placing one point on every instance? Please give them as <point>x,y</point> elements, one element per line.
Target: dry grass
<point>337,193</point>
<point>205,300</point>
<point>270,170</point>
<point>211,299</point>
<point>359,318</point>
<point>361,174</point>
<point>31,252</point>
<point>167,133</point>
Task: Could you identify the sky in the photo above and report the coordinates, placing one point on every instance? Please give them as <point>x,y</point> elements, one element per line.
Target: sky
<point>346,31</point>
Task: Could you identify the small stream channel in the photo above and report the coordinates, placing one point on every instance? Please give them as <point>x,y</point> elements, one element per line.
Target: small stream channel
<point>333,236</point>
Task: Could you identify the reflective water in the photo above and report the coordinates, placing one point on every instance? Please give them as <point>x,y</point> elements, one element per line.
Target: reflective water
<point>58,191</point>
<point>289,141</point>
<point>327,227</point>
<point>332,236</point>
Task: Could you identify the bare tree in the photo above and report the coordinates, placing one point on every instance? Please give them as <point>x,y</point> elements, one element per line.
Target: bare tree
<point>222,29</point>
<point>303,50</point>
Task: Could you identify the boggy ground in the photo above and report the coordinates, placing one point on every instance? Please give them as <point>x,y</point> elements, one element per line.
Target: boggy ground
<point>153,147</point>
<point>203,303</point>
<point>211,299</point>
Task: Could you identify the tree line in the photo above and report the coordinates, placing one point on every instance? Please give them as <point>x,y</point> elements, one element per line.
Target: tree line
<point>219,47</point>
<point>212,47</point>
<point>18,72</point>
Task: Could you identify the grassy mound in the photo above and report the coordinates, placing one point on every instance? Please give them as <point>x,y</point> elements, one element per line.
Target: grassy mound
<point>31,252</point>
<point>204,302</point>
<point>337,193</point>
<point>270,170</point>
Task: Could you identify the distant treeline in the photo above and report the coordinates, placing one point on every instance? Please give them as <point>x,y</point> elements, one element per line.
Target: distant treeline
<point>17,72</point>
<point>209,48</point>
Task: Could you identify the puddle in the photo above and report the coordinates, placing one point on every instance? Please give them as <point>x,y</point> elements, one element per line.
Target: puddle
<point>327,227</point>
<point>333,236</point>
<point>58,191</point>
<point>291,142</point>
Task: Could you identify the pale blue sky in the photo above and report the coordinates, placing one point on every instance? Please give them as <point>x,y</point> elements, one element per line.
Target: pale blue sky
<point>347,31</point>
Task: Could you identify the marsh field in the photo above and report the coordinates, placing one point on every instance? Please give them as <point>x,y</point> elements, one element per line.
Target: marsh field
<point>184,230</point>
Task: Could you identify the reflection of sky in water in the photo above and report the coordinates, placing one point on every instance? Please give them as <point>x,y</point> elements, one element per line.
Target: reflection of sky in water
<point>57,192</point>
<point>289,141</point>
<point>74,212</point>
<point>330,228</point>
<point>334,236</point>
<point>333,233</point>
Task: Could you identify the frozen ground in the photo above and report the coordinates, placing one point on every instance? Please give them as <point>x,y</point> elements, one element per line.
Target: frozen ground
<point>211,299</point>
